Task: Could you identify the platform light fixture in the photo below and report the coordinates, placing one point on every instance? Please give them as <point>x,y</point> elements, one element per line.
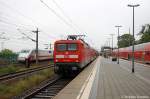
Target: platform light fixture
<point>118,26</point>
<point>133,42</point>
<point>112,42</point>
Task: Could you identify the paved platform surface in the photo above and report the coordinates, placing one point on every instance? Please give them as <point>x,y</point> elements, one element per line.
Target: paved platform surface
<point>74,89</point>
<point>141,69</point>
<point>117,81</point>
<point>105,79</point>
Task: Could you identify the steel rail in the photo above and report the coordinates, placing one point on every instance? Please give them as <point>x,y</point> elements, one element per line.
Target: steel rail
<point>10,76</point>
<point>48,90</point>
<point>44,86</point>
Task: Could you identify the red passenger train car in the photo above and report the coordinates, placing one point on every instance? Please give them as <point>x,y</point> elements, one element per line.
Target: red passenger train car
<point>141,53</point>
<point>72,55</point>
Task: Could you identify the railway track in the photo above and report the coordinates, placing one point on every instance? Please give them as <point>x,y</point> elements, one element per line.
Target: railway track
<point>11,76</point>
<point>48,90</point>
<point>23,64</point>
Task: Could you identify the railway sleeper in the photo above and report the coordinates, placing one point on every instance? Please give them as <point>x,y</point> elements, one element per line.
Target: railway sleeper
<point>49,91</point>
<point>58,87</point>
<point>47,94</point>
<point>43,96</point>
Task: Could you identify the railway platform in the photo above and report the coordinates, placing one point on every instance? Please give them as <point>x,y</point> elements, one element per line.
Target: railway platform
<point>105,79</point>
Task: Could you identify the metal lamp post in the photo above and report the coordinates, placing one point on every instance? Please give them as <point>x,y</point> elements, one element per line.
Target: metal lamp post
<point>109,42</point>
<point>118,26</point>
<point>133,37</point>
<point>109,47</point>
<point>112,40</point>
<point>112,43</point>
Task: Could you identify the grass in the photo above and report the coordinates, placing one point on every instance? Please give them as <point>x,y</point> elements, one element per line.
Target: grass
<point>8,91</point>
<point>8,69</point>
<point>13,68</point>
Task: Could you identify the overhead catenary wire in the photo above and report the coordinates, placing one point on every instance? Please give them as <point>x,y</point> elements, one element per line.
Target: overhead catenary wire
<point>61,18</point>
<point>64,13</point>
<point>17,41</point>
<point>8,18</point>
<point>16,25</point>
<point>21,14</point>
<point>20,26</point>
<point>51,37</point>
<point>20,37</point>
<point>21,44</point>
<point>12,24</point>
<point>16,11</point>
<point>27,36</point>
<point>25,26</point>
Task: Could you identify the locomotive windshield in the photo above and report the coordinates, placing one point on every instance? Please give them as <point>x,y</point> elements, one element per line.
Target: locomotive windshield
<point>65,47</point>
<point>72,47</point>
<point>61,47</point>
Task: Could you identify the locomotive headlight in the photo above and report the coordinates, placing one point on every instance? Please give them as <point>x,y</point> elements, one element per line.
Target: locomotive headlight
<point>59,56</point>
<point>77,60</point>
<point>73,56</point>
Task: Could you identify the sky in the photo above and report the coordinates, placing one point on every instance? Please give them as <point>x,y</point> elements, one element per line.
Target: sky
<point>56,19</point>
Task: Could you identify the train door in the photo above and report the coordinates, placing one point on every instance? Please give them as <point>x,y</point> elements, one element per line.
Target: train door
<point>143,57</point>
<point>147,57</point>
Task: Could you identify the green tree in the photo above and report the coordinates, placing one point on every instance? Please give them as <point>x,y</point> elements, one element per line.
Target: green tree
<point>125,40</point>
<point>7,55</point>
<point>145,34</point>
<point>6,52</point>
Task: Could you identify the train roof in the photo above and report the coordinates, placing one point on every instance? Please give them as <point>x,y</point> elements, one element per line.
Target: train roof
<point>68,41</point>
<point>72,41</point>
<point>143,46</point>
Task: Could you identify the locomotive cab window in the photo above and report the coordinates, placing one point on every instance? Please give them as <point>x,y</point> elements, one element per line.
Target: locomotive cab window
<point>61,47</point>
<point>72,47</point>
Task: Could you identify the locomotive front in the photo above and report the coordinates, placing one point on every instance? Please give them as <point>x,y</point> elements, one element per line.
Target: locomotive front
<point>66,56</point>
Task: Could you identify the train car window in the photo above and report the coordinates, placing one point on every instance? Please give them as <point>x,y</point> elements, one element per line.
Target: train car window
<point>72,47</point>
<point>61,47</point>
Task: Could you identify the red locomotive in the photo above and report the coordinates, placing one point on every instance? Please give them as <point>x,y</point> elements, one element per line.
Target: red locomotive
<point>72,55</point>
<point>141,53</point>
